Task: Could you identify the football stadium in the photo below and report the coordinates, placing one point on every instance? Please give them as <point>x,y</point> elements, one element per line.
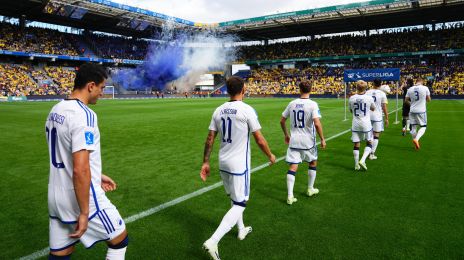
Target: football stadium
<point>373,93</point>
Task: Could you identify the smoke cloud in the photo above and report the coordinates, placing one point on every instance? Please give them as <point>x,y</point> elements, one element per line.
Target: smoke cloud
<point>178,59</point>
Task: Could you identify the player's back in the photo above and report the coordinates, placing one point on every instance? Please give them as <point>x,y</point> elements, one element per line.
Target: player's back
<point>70,127</point>
<point>234,121</point>
<point>379,99</point>
<point>418,95</point>
<point>302,112</point>
<point>360,106</point>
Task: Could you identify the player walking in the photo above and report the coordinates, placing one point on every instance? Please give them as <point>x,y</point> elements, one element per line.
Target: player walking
<point>234,120</point>
<point>406,106</point>
<point>380,102</point>
<point>418,95</point>
<point>304,117</point>
<point>360,106</point>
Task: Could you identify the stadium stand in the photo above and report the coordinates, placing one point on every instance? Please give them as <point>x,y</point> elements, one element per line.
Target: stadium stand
<point>37,40</point>
<point>404,40</point>
<point>444,79</point>
<point>446,76</point>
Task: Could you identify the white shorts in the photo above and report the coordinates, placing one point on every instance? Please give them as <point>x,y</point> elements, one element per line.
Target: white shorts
<point>418,119</point>
<point>104,226</point>
<point>297,156</point>
<point>357,137</point>
<point>237,186</point>
<point>377,126</point>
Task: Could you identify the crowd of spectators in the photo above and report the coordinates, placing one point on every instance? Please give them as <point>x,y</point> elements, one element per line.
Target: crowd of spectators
<point>15,80</point>
<point>37,40</point>
<point>407,40</point>
<point>63,79</point>
<point>53,42</point>
<point>442,79</point>
<point>25,80</point>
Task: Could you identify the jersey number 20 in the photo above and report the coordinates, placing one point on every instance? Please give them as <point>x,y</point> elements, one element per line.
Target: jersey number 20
<point>51,138</point>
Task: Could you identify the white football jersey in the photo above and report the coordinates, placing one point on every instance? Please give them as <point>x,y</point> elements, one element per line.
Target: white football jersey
<point>360,106</point>
<point>418,95</point>
<point>302,131</point>
<point>379,98</point>
<point>234,120</point>
<point>71,126</point>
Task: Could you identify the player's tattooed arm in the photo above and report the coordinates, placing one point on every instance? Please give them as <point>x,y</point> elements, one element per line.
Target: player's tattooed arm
<point>209,145</point>
<point>205,169</point>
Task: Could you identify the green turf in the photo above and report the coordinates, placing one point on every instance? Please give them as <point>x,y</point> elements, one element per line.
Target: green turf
<point>408,205</point>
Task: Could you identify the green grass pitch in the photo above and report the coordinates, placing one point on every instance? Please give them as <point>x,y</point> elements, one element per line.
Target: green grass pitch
<point>408,205</point>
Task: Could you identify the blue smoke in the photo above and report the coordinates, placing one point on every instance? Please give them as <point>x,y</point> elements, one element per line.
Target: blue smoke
<point>179,56</point>
<point>162,65</point>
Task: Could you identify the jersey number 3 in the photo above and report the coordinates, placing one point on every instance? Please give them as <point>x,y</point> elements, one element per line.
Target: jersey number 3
<point>51,138</point>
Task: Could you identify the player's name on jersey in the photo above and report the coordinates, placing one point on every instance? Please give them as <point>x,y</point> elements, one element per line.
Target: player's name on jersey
<point>57,118</point>
<point>229,111</point>
<point>299,106</point>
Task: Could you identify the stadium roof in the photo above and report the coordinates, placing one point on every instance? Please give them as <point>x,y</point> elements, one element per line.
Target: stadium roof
<point>95,15</point>
<point>375,14</point>
<point>107,16</point>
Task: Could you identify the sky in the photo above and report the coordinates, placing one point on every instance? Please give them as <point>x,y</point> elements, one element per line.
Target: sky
<point>212,11</point>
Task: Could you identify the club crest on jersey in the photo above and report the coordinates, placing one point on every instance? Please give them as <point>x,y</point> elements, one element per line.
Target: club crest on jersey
<point>88,138</point>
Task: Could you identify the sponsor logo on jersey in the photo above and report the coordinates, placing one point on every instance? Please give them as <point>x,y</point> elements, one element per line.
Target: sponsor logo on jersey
<point>88,138</point>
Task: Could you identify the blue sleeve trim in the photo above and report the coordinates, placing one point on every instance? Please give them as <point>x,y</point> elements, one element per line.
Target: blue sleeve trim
<point>86,113</point>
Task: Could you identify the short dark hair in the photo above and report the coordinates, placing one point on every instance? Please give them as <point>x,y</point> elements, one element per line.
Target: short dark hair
<point>377,82</point>
<point>305,86</point>
<point>410,82</point>
<point>89,72</point>
<point>234,85</point>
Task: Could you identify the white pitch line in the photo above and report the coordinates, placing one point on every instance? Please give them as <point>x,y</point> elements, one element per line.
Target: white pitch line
<point>148,212</point>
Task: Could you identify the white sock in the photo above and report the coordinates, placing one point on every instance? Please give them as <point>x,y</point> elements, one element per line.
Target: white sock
<point>367,151</point>
<point>228,221</point>
<point>290,182</point>
<point>116,254</point>
<point>407,125</point>
<point>356,156</point>
<point>374,145</point>
<point>420,133</point>
<point>240,224</point>
<point>311,177</point>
